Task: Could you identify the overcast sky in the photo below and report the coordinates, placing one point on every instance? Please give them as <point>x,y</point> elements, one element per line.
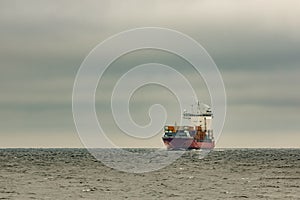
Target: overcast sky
<point>255,44</point>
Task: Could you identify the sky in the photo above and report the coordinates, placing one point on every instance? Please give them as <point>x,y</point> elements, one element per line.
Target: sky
<point>255,44</point>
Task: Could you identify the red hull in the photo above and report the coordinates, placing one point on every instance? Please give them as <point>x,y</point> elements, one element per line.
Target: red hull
<point>187,143</point>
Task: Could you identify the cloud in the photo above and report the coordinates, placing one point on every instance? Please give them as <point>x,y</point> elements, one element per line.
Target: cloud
<point>267,31</point>
<point>256,45</point>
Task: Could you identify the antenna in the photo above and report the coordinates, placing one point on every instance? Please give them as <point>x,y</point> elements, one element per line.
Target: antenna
<point>192,108</point>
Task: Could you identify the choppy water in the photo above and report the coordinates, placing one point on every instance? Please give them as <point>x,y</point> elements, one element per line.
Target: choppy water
<point>223,174</point>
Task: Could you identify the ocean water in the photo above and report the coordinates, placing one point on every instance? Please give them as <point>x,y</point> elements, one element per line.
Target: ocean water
<point>222,174</point>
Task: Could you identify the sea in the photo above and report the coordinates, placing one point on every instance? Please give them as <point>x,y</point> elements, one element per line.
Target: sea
<point>221,174</point>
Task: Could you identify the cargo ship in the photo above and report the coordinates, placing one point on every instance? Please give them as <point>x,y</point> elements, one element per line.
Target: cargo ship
<point>198,134</point>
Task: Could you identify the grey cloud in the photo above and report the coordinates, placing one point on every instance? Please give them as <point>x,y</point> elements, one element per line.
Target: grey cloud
<point>256,45</point>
